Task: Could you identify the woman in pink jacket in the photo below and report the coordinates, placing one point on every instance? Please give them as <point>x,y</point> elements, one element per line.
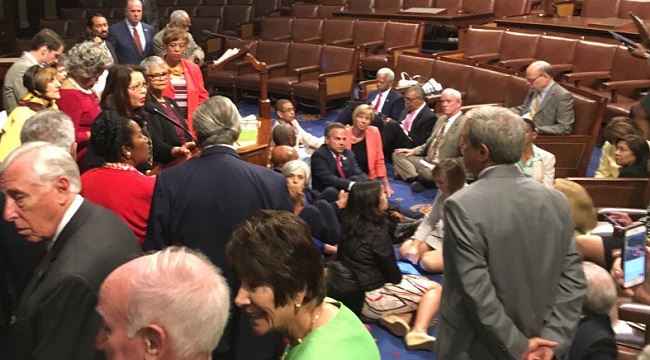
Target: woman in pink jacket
<point>365,141</point>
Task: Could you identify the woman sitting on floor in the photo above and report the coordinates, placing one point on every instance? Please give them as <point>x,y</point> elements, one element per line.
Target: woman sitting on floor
<point>366,248</point>
<point>283,289</point>
<point>425,248</point>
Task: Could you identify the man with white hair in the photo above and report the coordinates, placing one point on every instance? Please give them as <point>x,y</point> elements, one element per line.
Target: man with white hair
<point>170,305</point>
<point>415,165</point>
<point>198,203</point>
<point>179,19</point>
<point>56,316</point>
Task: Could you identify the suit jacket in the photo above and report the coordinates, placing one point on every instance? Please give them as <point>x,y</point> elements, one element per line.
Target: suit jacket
<point>56,318</point>
<point>198,203</point>
<point>595,339</point>
<point>324,172</point>
<point>422,125</point>
<point>111,49</point>
<point>393,105</point>
<point>196,92</point>
<point>13,89</point>
<point>508,278</point>
<point>376,164</point>
<point>555,115</point>
<point>150,14</point>
<point>449,144</point>
<point>122,41</point>
<point>163,134</point>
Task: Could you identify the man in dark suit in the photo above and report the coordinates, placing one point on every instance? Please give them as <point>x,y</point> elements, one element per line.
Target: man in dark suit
<point>387,102</point>
<point>548,104</point>
<point>132,39</point>
<point>56,317</point>
<point>198,203</point>
<point>334,165</point>
<point>97,26</point>
<point>513,286</point>
<point>413,126</point>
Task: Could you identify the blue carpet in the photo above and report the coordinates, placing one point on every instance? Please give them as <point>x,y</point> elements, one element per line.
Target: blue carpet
<point>390,346</point>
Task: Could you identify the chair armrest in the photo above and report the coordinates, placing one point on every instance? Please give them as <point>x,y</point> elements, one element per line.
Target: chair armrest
<point>636,312</point>
<point>306,69</point>
<point>410,47</point>
<point>363,88</point>
<point>484,57</point>
<point>277,65</point>
<point>560,68</point>
<point>318,39</point>
<point>626,84</point>
<point>516,63</point>
<point>371,46</point>
<point>347,41</point>
<point>576,78</point>
<point>337,82</point>
<point>634,213</point>
<point>307,73</point>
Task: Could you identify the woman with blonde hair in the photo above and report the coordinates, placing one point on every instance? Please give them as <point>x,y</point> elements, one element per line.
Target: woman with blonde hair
<point>583,211</point>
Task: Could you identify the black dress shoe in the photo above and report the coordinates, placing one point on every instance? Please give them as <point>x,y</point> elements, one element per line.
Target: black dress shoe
<point>417,187</point>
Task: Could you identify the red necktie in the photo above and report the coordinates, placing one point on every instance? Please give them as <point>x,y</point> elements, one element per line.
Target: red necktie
<point>136,38</point>
<point>339,167</point>
<point>378,102</point>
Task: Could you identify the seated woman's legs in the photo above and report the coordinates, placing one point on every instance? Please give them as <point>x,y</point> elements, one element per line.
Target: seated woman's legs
<point>431,261</point>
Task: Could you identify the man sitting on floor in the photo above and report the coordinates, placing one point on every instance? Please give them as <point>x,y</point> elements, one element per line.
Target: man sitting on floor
<point>334,165</point>
<point>415,165</point>
<point>548,104</point>
<point>413,126</point>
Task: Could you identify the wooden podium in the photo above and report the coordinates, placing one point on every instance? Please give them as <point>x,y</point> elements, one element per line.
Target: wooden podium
<point>258,152</point>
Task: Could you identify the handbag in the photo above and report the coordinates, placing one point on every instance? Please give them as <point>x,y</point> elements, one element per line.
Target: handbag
<point>407,80</point>
<point>430,87</point>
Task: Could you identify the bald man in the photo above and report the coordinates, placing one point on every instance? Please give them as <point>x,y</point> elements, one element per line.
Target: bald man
<point>281,155</point>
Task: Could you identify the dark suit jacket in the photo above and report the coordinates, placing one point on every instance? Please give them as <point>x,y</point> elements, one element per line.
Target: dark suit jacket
<point>111,49</point>
<point>324,172</point>
<point>198,203</point>
<point>595,339</point>
<point>122,40</point>
<point>56,318</point>
<point>163,134</point>
<point>422,125</point>
<point>393,105</point>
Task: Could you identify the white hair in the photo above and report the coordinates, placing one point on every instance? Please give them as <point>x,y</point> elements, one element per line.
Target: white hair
<point>601,291</point>
<point>390,75</point>
<point>177,16</point>
<point>454,93</point>
<point>49,125</point>
<point>184,293</point>
<point>294,165</point>
<point>49,162</point>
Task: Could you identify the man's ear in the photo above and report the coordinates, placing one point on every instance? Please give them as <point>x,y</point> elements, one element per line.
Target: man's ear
<point>157,344</point>
<point>62,186</point>
<point>484,152</point>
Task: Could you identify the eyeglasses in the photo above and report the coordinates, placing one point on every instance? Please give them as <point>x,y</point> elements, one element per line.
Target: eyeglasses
<point>530,81</point>
<point>410,99</point>
<point>288,110</point>
<point>158,75</point>
<point>137,87</point>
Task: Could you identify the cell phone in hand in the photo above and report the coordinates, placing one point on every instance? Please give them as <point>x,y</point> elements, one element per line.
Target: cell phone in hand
<point>634,255</point>
<point>613,222</point>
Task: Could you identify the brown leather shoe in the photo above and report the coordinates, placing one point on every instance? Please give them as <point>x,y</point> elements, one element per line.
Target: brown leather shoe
<point>419,341</point>
<point>395,324</point>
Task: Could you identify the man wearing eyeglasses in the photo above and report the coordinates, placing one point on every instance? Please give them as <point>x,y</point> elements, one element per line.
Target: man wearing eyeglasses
<point>548,105</point>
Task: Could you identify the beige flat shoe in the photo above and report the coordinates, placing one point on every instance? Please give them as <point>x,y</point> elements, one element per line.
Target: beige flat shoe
<point>395,324</point>
<point>419,341</point>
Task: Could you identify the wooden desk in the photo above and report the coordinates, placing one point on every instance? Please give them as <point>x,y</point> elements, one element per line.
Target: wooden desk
<point>568,26</point>
<point>459,20</point>
<point>258,153</point>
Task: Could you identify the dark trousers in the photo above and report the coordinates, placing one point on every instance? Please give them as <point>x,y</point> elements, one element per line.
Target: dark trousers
<point>393,137</point>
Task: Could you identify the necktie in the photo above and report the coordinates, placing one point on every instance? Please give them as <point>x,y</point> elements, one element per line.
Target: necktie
<point>136,38</point>
<point>378,102</point>
<point>433,150</point>
<point>535,107</point>
<point>406,125</point>
<point>339,167</point>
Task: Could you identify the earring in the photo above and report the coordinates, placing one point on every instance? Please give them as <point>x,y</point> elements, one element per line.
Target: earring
<point>296,308</point>
<point>128,153</point>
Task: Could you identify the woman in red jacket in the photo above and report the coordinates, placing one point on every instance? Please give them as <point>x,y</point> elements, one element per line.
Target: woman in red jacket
<point>365,141</point>
<point>186,81</point>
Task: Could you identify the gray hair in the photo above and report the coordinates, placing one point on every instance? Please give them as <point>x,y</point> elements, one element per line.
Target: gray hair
<point>147,63</point>
<point>390,75</point>
<point>500,130</point>
<point>542,67</point>
<point>217,121</point>
<point>601,290</point>
<point>87,60</point>
<point>454,93</point>
<point>294,165</point>
<point>177,16</point>
<point>182,291</point>
<point>49,162</point>
<point>52,126</point>
<point>417,90</point>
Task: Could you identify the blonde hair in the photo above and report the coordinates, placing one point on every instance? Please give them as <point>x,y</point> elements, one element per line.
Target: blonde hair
<point>585,215</point>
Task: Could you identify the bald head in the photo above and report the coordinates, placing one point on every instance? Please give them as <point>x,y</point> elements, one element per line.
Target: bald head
<point>281,155</point>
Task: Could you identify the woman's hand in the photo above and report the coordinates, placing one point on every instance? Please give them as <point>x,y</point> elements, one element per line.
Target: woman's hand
<point>342,202</point>
<point>184,150</point>
<point>388,190</point>
<point>330,249</point>
<point>412,254</point>
<point>622,218</point>
<point>407,152</point>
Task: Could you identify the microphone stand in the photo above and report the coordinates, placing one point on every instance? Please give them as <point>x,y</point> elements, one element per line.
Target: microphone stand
<point>264,104</point>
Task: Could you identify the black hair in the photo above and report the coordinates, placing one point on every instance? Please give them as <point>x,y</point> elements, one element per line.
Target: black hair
<point>110,133</point>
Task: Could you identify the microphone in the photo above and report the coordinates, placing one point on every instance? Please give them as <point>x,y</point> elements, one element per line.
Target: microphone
<point>208,32</point>
<point>150,108</point>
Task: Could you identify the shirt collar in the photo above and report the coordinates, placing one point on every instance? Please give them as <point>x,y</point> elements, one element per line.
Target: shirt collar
<point>69,213</point>
<point>31,58</point>
<point>546,89</point>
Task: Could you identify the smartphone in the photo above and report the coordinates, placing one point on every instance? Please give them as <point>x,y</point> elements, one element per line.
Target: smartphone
<point>634,255</point>
<point>613,222</point>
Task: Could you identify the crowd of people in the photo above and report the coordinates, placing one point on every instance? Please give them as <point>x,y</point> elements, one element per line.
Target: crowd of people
<point>110,151</point>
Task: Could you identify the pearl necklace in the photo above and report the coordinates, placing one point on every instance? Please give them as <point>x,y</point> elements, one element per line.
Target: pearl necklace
<point>313,322</point>
<point>75,84</point>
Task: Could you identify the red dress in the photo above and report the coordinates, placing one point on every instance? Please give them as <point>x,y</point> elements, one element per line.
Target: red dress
<point>122,189</point>
<point>82,108</point>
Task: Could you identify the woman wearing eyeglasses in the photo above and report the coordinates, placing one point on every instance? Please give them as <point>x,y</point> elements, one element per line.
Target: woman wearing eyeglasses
<point>170,141</point>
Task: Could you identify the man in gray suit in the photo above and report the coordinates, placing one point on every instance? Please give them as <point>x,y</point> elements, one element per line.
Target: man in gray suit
<point>417,163</point>
<point>548,104</point>
<point>513,282</point>
<point>46,47</point>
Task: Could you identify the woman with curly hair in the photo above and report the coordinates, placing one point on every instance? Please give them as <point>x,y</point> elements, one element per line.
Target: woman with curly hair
<point>85,63</point>
<point>366,248</point>
<point>117,185</point>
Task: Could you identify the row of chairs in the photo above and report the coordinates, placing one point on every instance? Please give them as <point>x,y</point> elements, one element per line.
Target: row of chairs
<point>377,41</point>
<point>120,3</point>
<point>309,74</point>
<point>605,69</point>
<point>615,8</point>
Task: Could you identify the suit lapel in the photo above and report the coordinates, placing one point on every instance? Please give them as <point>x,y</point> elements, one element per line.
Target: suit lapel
<point>549,95</point>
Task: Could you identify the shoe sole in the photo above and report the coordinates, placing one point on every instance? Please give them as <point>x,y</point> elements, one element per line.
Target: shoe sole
<point>427,345</point>
<point>396,328</point>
